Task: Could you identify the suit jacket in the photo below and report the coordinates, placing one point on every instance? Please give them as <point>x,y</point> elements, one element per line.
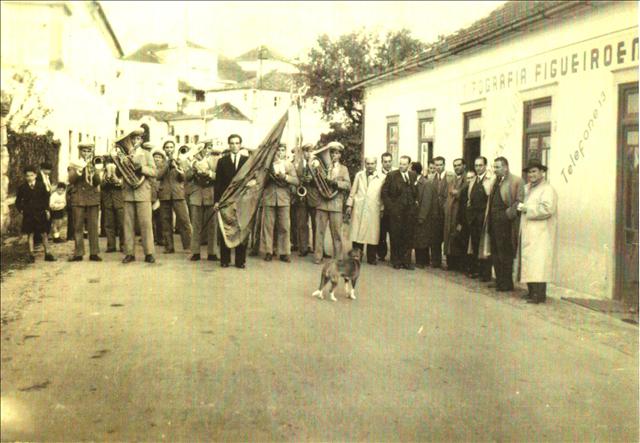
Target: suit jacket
<point>340,174</point>
<point>32,202</point>
<point>85,194</point>
<point>111,196</point>
<point>198,193</point>
<point>225,171</point>
<point>148,168</point>
<point>276,195</point>
<point>171,183</point>
<point>398,196</point>
<point>425,234</point>
<point>512,192</point>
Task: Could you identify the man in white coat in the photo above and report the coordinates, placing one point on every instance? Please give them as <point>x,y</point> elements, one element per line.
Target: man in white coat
<point>538,233</point>
<point>364,207</point>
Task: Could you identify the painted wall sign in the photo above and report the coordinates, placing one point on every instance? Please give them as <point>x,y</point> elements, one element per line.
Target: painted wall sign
<point>617,53</point>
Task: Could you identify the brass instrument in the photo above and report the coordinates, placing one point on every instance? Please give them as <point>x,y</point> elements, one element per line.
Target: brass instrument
<point>319,166</point>
<point>128,169</point>
<point>301,191</point>
<point>110,176</point>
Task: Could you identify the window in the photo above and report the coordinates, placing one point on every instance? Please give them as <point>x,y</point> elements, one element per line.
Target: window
<point>425,136</point>
<point>186,139</point>
<point>70,143</point>
<point>393,137</point>
<point>276,101</point>
<point>79,137</point>
<point>246,97</point>
<point>537,130</point>
<point>196,138</point>
<point>199,96</point>
<point>177,139</point>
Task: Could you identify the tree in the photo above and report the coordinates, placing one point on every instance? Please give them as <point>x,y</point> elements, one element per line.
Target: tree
<point>334,66</point>
<point>25,108</point>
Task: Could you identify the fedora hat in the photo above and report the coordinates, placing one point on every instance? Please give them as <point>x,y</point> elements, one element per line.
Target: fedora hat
<point>534,163</point>
<point>134,130</point>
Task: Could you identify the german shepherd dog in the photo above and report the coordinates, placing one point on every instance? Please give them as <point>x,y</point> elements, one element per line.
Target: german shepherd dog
<point>347,269</point>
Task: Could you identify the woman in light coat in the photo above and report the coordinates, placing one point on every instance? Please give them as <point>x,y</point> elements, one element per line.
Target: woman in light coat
<point>538,233</point>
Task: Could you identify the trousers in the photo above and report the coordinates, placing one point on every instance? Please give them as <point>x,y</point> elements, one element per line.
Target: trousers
<point>113,226</point>
<point>276,217</point>
<point>167,208</point>
<point>91,214</point>
<point>334,219</point>
<point>199,215</point>
<point>140,211</point>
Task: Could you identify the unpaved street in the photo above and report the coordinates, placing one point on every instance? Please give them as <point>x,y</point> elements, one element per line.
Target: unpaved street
<point>186,352</point>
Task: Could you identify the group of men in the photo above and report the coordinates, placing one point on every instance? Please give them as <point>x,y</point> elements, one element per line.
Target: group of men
<point>469,216</point>
<point>141,183</point>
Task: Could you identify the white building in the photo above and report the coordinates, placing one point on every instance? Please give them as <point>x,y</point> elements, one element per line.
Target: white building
<point>72,51</point>
<point>557,80</point>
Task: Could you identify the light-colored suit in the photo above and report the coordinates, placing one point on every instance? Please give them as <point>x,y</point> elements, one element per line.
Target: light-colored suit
<point>277,202</point>
<point>329,211</point>
<point>137,203</point>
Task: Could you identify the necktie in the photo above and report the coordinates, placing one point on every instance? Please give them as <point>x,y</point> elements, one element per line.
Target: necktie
<point>404,176</point>
<point>235,164</point>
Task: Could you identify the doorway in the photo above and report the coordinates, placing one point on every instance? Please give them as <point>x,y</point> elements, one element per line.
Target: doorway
<point>472,136</point>
<point>627,196</point>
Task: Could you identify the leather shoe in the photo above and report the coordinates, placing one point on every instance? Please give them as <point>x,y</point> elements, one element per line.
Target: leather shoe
<point>94,257</point>
<point>75,258</point>
<point>504,289</point>
<point>49,257</point>
<point>31,258</point>
<point>303,253</point>
<point>169,251</point>
<point>397,267</point>
<point>195,257</point>
<point>285,258</point>
<point>212,257</point>
<point>128,259</point>
<point>224,265</point>
<point>267,257</point>
<point>109,250</point>
<point>149,259</point>
<point>242,266</point>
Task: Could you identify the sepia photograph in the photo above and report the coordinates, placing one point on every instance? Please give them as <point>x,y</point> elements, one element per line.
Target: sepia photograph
<point>319,221</point>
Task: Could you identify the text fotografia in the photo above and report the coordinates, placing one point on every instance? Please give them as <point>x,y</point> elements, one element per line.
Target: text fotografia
<point>614,54</point>
<point>576,156</point>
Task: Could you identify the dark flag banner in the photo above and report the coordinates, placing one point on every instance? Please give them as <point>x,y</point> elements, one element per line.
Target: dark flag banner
<point>239,203</point>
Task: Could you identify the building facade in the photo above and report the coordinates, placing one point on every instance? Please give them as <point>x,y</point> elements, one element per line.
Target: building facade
<point>552,80</point>
<point>71,51</point>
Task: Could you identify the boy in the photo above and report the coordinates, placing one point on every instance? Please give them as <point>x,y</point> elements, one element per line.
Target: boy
<point>32,201</point>
<point>57,204</point>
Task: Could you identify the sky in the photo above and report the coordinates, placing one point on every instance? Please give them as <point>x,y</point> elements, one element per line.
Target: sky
<point>290,28</point>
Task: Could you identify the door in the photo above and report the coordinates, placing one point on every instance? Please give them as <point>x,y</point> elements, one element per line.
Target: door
<point>471,150</point>
<point>472,136</point>
<point>627,198</point>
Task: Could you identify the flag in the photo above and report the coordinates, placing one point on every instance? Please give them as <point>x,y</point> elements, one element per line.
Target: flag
<point>237,206</point>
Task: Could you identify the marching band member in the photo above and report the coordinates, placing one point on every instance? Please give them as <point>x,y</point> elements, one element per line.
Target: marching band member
<point>306,207</point>
<point>160,159</point>
<point>113,207</point>
<point>201,175</point>
<point>85,203</point>
<point>137,198</point>
<point>277,202</point>
<point>329,210</point>
<point>171,194</point>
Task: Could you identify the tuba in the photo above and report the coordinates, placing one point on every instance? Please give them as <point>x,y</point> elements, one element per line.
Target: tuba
<point>126,166</point>
<point>319,166</point>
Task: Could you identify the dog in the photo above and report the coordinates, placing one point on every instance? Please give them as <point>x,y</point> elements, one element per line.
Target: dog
<point>347,269</point>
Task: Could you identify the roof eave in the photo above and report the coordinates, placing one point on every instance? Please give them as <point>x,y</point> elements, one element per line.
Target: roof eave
<point>429,59</point>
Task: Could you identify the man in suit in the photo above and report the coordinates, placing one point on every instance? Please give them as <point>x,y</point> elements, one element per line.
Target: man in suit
<point>329,210</point>
<point>442,180</point>
<point>463,234</point>
<point>399,199</point>
<point>172,200</point>
<point>453,248</point>
<point>276,202</point>
<point>426,207</point>
<point>86,203</point>
<point>137,200</point>
<point>200,178</point>
<point>113,206</point>
<point>226,169</point>
<point>306,206</point>
<point>387,162</point>
<point>504,222</point>
<point>477,196</point>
